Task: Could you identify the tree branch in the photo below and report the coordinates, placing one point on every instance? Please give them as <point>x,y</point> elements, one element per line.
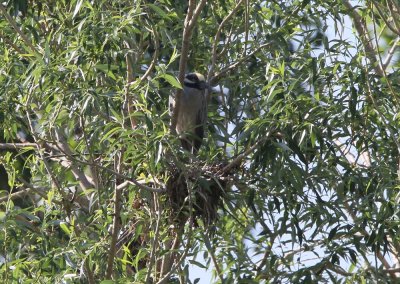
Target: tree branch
<point>62,145</point>
<point>190,20</point>
<point>394,10</point>
<point>385,18</point>
<point>116,222</point>
<point>128,180</point>
<point>390,54</point>
<point>16,146</point>
<point>53,177</point>
<point>366,41</point>
<point>23,192</point>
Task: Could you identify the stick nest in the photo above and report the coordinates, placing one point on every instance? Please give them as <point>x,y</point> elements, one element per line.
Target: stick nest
<point>198,189</point>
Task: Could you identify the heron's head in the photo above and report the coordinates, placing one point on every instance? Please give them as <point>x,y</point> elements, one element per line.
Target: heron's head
<point>195,80</point>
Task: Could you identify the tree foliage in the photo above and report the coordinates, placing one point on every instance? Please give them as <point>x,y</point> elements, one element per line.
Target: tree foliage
<point>297,180</point>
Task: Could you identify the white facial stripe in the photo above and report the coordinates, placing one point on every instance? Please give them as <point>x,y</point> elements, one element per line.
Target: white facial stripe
<point>188,81</point>
<point>200,77</point>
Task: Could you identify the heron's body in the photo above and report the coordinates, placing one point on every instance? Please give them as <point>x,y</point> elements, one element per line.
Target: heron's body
<point>192,116</point>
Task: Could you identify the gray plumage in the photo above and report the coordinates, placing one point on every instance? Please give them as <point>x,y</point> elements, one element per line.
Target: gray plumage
<point>192,116</point>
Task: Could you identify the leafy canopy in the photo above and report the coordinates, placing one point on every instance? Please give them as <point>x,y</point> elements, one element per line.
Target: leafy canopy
<point>309,132</point>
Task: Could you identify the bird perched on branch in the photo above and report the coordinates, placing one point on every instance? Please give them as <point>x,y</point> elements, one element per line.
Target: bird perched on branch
<point>192,116</point>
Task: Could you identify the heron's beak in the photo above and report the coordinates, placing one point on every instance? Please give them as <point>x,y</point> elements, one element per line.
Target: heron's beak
<point>212,89</point>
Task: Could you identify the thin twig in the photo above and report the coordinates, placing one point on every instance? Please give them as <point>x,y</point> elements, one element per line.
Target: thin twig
<point>129,180</point>
<point>217,37</point>
<point>172,247</point>
<point>268,251</point>
<point>390,54</point>
<point>154,241</point>
<point>130,108</point>
<point>394,10</point>
<point>246,26</point>
<point>129,79</point>
<point>93,170</point>
<point>89,272</point>
<point>379,255</point>
<point>384,75</point>
<point>24,191</point>
<point>214,259</point>
<point>155,55</point>
<point>234,65</point>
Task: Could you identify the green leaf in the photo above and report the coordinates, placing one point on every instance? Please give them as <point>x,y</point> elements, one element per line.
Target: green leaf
<point>171,80</point>
<point>77,8</point>
<point>2,215</point>
<point>332,233</point>
<point>158,10</point>
<point>65,228</point>
<point>197,264</point>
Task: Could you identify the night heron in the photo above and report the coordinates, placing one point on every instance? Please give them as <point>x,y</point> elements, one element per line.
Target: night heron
<point>192,116</point>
